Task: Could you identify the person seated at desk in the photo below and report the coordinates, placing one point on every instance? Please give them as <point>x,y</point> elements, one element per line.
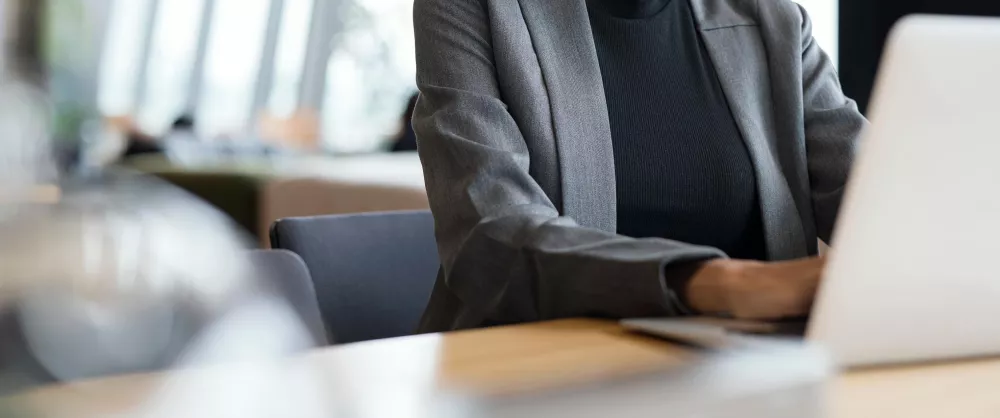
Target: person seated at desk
<point>627,158</point>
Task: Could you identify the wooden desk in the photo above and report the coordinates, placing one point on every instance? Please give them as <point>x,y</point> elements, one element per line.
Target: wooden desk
<point>535,356</point>
<point>963,389</point>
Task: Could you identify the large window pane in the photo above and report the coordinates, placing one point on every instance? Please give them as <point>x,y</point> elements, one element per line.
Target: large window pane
<point>122,56</point>
<point>292,43</point>
<point>825,16</point>
<point>370,75</point>
<point>175,43</point>
<point>236,43</point>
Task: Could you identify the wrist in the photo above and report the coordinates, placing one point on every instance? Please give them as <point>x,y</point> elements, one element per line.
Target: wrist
<point>709,290</point>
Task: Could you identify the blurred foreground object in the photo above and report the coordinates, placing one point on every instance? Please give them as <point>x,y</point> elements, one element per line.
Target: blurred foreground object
<point>118,275</point>
<point>26,161</point>
<point>105,273</point>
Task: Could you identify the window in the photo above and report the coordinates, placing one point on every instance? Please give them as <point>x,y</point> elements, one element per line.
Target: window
<point>367,48</point>
<point>122,57</point>
<point>825,16</point>
<point>290,57</point>
<point>236,40</point>
<point>370,74</point>
<point>171,61</point>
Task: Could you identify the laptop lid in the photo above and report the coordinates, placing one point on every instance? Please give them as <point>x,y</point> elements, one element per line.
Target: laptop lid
<point>912,275</point>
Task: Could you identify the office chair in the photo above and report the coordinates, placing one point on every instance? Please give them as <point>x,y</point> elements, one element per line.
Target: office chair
<point>373,272</point>
<point>289,277</point>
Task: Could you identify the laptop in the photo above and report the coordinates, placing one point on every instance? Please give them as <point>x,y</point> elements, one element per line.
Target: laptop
<point>914,273</point>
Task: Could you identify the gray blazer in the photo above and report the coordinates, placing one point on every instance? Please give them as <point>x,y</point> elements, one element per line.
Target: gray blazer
<point>516,148</point>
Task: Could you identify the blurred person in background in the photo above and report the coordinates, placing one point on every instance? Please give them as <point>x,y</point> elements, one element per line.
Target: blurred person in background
<point>406,140</point>
<point>183,128</point>
<point>182,142</point>
<point>627,158</point>
<point>141,143</point>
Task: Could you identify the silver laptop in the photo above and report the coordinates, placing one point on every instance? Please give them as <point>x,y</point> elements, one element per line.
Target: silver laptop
<point>914,273</point>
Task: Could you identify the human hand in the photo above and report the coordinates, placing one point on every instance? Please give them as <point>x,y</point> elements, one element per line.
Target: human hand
<point>755,290</point>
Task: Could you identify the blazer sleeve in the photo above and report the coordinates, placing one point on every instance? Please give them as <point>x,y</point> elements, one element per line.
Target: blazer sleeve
<point>506,251</point>
<point>833,126</point>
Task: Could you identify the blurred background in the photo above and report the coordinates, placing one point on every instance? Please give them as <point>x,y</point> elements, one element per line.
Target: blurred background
<point>321,75</point>
<point>330,75</point>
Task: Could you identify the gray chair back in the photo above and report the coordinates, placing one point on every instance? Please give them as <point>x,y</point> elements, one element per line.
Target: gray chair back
<point>373,272</point>
<point>289,277</point>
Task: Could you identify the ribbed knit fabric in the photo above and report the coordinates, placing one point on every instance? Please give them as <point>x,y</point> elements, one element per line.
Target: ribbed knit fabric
<point>682,169</point>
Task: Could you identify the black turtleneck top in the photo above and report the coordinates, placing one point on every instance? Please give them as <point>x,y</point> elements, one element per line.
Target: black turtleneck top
<point>683,171</point>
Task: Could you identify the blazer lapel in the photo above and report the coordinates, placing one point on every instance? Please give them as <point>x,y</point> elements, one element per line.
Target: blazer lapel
<point>733,41</point>
<point>563,41</point>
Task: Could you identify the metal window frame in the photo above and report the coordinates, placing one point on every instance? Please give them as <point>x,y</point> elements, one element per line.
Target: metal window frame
<point>324,24</point>
<point>145,53</point>
<point>197,80</point>
<point>265,74</point>
<point>100,18</point>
